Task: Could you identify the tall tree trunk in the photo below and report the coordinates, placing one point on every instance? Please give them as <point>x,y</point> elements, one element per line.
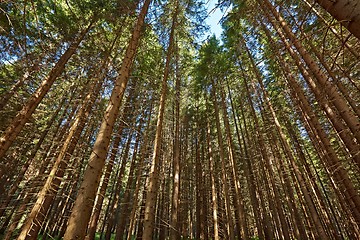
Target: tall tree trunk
<point>143,155</point>
<point>154,171</point>
<point>242,221</point>
<point>125,202</point>
<point>227,202</point>
<point>82,209</point>
<point>174,231</point>
<point>24,168</point>
<point>113,209</point>
<point>214,199</point>
<point>347,12</point>
<point>343,132</point>
<point>46,196</point>
<point>322,82</point>
<point>24,115</point>
<point>198,184</point>
<point>340,176</point>
<point>319,227</point>
<point>249,170</point>
<point>127,117</point>
<point>330,26</point>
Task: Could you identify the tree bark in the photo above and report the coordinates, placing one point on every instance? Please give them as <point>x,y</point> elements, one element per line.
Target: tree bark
<point>82,209</point>
<point>322,81</point>
<point>174,231</point>
<point>347,12</point>
<point>28,109</point>
<point>229,220</point>
<point>214,200</point>
<point>152,187</point>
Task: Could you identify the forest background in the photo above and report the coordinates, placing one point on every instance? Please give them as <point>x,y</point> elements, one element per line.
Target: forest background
<point>120,120</point>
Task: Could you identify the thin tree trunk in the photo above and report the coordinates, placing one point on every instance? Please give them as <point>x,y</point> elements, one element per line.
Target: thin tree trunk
<point>127,117</point>
<point>242,221</point>
<point>214,200</point>
<point>333,30</point>
<point>174,231</point>
<point>24,168</point>
<point>227,202</point>
<point>113,210</point>
<point>143,155</point>
<point>340,175</point>
<point>340,128</point>
<point>250,174</point>
<point>121,225</point>
<point>155,165</point>
<point>198,184</point>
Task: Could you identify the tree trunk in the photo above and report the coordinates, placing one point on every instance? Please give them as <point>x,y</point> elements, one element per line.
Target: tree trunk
<point>24,168</point>
<point>343,132</point>
<point>155,165</point>
<point>322,82</point>
<point>24,115</point>
<point>340,174</point>
<point>347,12</point>
<point>37,215</point>
<point>174,231</point>
<point>127,117</point>
<point>143,155</point>
<point>113,209</point>
<point>125,202</point>
<point>227,202</point>
<point>214,200</point>
<point>82,209</point>
<point>241,218</point>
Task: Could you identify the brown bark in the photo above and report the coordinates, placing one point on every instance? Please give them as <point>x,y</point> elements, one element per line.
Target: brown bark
<point>238,199</point>
<point>340,174</point>
<point>38,180</point>
<point>115,200</point>
<point>198,183</point>
<point>335,229</point>
<point>174,231</point>
<point>332,29</point>
<point>143,155</point>
<point>155,165</point>
<point>347,12</point>
<point>343,132</point>
<point>227,202</point>
<point>250,173</point>
<point>334,78</point>
<point>24,115</point>
<point>322,82</point>
<point>287,150</point>
<point>46,196</point>
<point>261,180</point>
<point>125,202</point>
<point>24,168</point>
<point>82,209</point>
<point>331,160</point>
<point>317,221</point>
<point>214,200</point>
<point>127,117</point>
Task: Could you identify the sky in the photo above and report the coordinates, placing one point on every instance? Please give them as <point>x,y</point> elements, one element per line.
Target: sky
<point>214,18</point>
